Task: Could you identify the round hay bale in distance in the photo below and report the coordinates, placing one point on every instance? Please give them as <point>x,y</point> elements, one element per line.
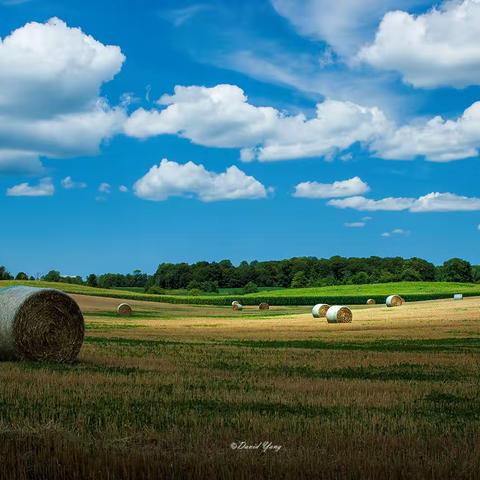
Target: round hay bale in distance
<point>237,307</point>
<point>458,296</point>
<point>124,309</point>
<point>320,310</point>
<point>39,324</point>
<point>371,301</point>
<point>264,306</point>
<point>235,302</point>
<point>339,314</point>
<point>394,301</point>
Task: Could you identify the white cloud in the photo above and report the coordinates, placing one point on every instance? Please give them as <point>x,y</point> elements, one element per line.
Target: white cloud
<point>344,24</point>
<point>173,179</point>
<point>343,188</point>
<point>105,187</point>
<point>18,161</point>
<point>68,184</point>
<point>123,189</point>
<point>396,232</point>
<point>445,202</point>
<point>432,202</point>
<point>436,48</point>
<point>50,80</point>
<point>437,139</point>
<point>478,228</point>
<point>354,224</point>
<point>45,188</point>
<point>221,116</point>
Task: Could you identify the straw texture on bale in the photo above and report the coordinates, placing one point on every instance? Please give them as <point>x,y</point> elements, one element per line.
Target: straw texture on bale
<point>371,301</point>
<point>237,307</point>
<point>124,309</point>
<point>264,306</point>
<point>339,314</point>
<point>320,310</point>
<point>394,301</point>
<point>39,324</point>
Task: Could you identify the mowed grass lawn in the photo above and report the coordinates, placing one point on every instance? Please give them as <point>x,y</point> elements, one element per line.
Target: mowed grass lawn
<point>164,394</point>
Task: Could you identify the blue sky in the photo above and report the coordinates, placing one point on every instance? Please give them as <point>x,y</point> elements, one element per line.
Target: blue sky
<point>133,133</point>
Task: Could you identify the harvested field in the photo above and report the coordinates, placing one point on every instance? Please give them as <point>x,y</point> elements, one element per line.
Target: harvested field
<point>167,391</point>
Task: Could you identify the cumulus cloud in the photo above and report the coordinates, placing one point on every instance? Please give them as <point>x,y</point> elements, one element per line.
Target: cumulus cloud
<point>344,24</point>
<point>342,188</point>
<point>432,202</point>
<point>173,179</point>
<point>105,187</point>
<point>68,184</point>
<point>50,81</point>
<point>123,189</point>
<point>221,116</point>
<point>437,139</point>
<point>44,188</point>
<point>433,49</point>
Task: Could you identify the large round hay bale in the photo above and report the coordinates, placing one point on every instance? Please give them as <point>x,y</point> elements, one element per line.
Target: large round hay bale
<point>264,306</point>
<point>320,310</point>
<point>235,302</point>
<point>339,314</point>
<point>124,309</point>
<point>394,301</point>
<point>237,307</point>
<point>371,301</point>
<point>39,324</point>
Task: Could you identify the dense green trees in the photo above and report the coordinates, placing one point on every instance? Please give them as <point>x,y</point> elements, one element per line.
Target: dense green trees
<point>456,270</point>
<point>294,272</point>
<point>4,274</point>
<point>310,271</point>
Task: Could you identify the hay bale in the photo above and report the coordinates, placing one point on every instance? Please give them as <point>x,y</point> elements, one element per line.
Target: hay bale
<point>394,301</point>
<point>39,324</point>
<point>235,303</point>
<point>458,296</point>
<point>124,309</point>
<point>237,307</point>
<point>371,301</point>
<point>339,314</point>
<point>264,306</point>
<point>320,310</point>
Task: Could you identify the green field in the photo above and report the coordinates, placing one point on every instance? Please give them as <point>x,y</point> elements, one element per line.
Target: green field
<point>165,394</point>
<point>347,294</point>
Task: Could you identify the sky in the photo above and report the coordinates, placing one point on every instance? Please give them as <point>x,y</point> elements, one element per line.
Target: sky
<point>135,133</point>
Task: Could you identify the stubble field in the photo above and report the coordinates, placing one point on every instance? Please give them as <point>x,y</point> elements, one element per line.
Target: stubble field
<point>167,392</point>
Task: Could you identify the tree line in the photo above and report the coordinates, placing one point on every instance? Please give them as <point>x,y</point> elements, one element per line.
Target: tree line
<point>294,273</point>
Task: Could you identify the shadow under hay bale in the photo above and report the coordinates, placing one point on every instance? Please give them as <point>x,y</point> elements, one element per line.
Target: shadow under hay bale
<point>39,324</point>
<point>124,310</point>
<point>264,306</point>
<point>394,301</point>
<point>339,314</point>
<point>320,310</point>
<point>371,301</point>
